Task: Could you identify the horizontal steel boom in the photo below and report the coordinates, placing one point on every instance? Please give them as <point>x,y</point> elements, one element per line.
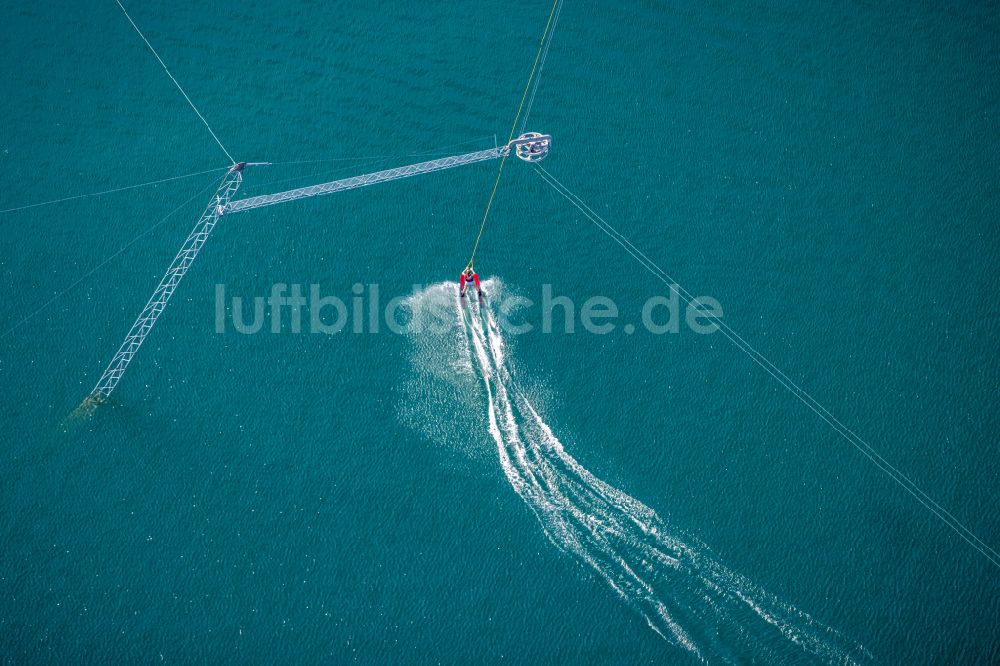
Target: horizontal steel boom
<point>364,180</point>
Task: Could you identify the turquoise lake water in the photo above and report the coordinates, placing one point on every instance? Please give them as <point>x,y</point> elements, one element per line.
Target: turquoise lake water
<point>826,171</point>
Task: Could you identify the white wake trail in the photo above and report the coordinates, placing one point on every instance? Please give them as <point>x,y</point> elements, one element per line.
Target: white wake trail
<point>682,591</point>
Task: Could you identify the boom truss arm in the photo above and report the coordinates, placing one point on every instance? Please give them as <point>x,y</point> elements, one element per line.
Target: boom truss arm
<point>365,179</point>
<point>158,301</point>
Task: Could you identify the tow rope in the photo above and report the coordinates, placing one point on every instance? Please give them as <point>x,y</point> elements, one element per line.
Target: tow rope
<point>503,160</point>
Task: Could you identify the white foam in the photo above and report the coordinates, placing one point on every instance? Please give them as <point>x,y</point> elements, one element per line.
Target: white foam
<point>682,591</point>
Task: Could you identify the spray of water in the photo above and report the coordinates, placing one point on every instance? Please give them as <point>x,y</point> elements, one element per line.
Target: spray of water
<point>684,593</point>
